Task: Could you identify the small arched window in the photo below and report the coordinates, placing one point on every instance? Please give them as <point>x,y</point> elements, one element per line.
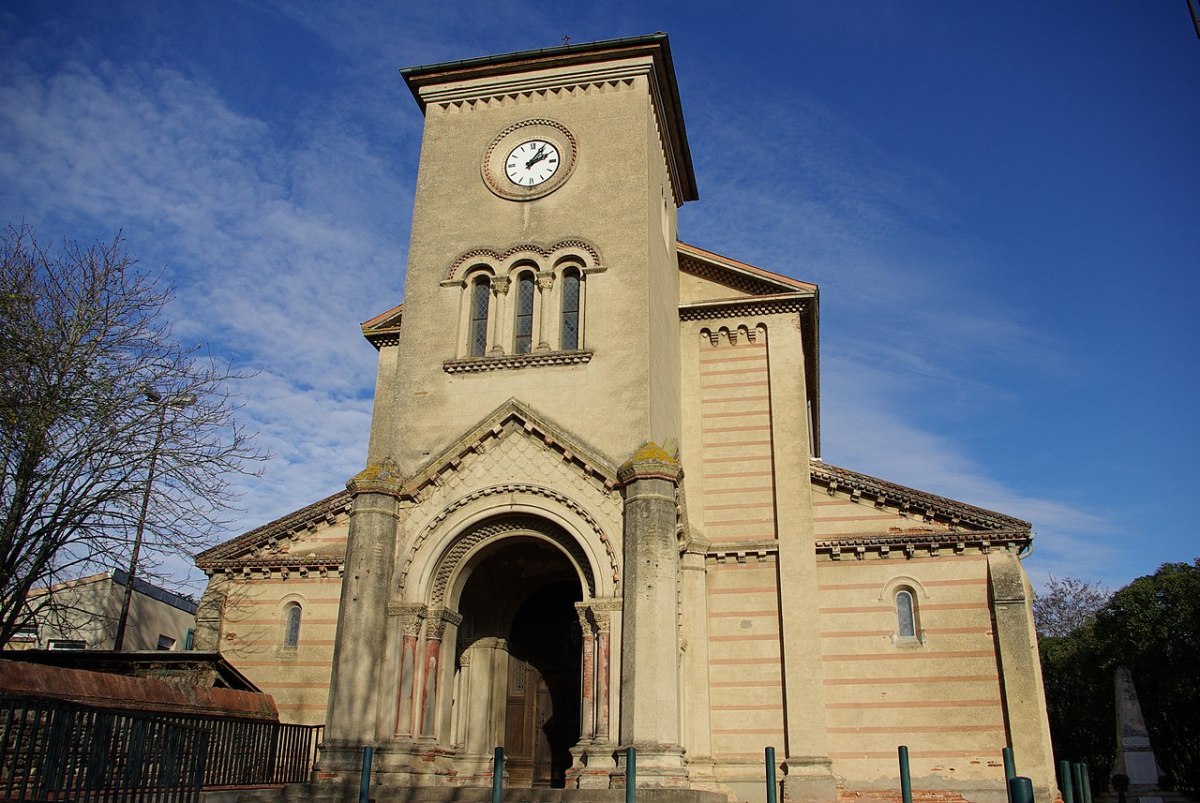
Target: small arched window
<point>906,615</point>
<point>570,310</point>
<point>477,332</point>
<point>291,625</point>
<point>524,323</point>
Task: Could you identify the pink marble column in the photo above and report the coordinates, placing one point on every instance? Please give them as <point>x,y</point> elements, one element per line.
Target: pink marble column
<point>587,722</point>
<point>602,680</point>
<point>410,621</point>
<point>430,673</point>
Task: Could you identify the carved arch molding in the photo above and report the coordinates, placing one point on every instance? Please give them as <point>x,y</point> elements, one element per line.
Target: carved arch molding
<point>576,551</point>
<point>497,529</point>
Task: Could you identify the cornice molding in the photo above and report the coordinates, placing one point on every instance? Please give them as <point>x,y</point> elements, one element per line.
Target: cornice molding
<point>282,568</point>
<point>384,329</point>
<point>509,89</point>
<point>744,307</point>
<point>741,551</point>
<point>932,544</point>
<point>473,365</point>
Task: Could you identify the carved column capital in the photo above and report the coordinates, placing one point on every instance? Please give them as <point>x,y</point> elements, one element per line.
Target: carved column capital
<point>410,614</point>
<point>438,619</point>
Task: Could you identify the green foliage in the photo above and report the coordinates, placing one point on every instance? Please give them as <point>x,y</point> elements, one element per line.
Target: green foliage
<point>1079,701</point>
<point>1152,626</point>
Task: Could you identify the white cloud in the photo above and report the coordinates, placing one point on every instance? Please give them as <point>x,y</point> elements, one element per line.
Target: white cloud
<point>277,250</point>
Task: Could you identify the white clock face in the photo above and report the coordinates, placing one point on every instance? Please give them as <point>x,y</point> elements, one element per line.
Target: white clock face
<point>532,163</point>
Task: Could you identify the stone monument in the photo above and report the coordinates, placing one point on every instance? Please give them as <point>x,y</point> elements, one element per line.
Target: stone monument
<point>1135,756</point>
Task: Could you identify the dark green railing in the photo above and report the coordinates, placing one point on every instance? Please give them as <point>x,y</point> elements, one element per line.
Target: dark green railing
<point>52,750</point>
<point>57,750</point>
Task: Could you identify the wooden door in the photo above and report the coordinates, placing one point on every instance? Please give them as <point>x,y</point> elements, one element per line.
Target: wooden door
<point>526,739</point>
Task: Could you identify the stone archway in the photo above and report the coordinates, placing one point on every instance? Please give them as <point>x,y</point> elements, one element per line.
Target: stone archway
<point>518,653</point>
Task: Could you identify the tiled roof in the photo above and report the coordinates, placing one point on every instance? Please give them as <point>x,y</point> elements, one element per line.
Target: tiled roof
<point>323,511</point>
<point>910,499</point>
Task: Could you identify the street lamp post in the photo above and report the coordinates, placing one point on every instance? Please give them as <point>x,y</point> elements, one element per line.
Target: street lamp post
<point>176,402</point>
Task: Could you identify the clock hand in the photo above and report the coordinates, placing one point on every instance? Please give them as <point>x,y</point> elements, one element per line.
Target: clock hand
<point>537,157</point>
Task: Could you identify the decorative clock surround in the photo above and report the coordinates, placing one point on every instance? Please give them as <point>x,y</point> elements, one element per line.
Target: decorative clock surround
<point>529,159</point>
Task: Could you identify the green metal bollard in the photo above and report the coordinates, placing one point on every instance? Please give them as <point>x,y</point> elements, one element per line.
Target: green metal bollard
<point>905,776</point>
<point>1010,766</point>
<point>1087,782</point>
<point>364,782</point>
<point>1020,789</point>
<point>1077,779</point>
<point>497,774</point>
<point>1065,781</point>
<point>630,774</point>
<point>770,759</point>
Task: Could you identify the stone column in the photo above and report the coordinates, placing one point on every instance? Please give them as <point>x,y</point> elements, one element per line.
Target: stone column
<point>499,315</point>
<point>432,671</point>
<point>587,691</point>
<point>410,619</point>
<point>603,676</point>
<point>697,712</point>
<point>547,310</point>
<point>362,615</point>
<point>596,753</point>
<point>587,701</point>
<point>650,639</point>
<point>1021,672</point>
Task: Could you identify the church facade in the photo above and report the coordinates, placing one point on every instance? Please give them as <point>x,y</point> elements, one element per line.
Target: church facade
<point>593,513</point>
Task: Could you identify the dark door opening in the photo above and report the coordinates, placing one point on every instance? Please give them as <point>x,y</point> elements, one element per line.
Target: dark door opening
<point>542,713</point>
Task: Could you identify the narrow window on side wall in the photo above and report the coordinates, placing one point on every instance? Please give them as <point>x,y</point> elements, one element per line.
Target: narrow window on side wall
<point>477,335</point>
<point>291,625</point>
<point>906,620</point>
<point>570,310</point>
<point>524,328</point>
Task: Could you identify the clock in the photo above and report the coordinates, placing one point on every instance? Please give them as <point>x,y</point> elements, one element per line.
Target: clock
<point>529,159</point>
<point>531,163</point>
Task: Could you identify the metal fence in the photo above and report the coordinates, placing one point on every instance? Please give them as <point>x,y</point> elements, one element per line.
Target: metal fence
<point>55,750</point>
<point>245,752</point>
<point>52,750</point>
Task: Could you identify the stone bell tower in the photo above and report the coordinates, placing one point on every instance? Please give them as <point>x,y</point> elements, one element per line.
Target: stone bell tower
<point>556,167</point>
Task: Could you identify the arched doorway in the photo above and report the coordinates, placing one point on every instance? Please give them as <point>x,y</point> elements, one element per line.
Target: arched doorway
<point>520,592</point>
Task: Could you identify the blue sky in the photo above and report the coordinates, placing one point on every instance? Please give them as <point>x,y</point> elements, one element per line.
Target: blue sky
<point>1000,202</point>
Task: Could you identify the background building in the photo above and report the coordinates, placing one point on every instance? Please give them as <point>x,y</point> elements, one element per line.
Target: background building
<point>82,615</point>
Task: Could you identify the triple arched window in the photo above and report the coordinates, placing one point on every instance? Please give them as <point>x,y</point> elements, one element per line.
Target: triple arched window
<point>525,312</point>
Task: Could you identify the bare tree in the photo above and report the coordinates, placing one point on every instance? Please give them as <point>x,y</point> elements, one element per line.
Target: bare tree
<point>93,390</point>
<point>1067,604</point>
